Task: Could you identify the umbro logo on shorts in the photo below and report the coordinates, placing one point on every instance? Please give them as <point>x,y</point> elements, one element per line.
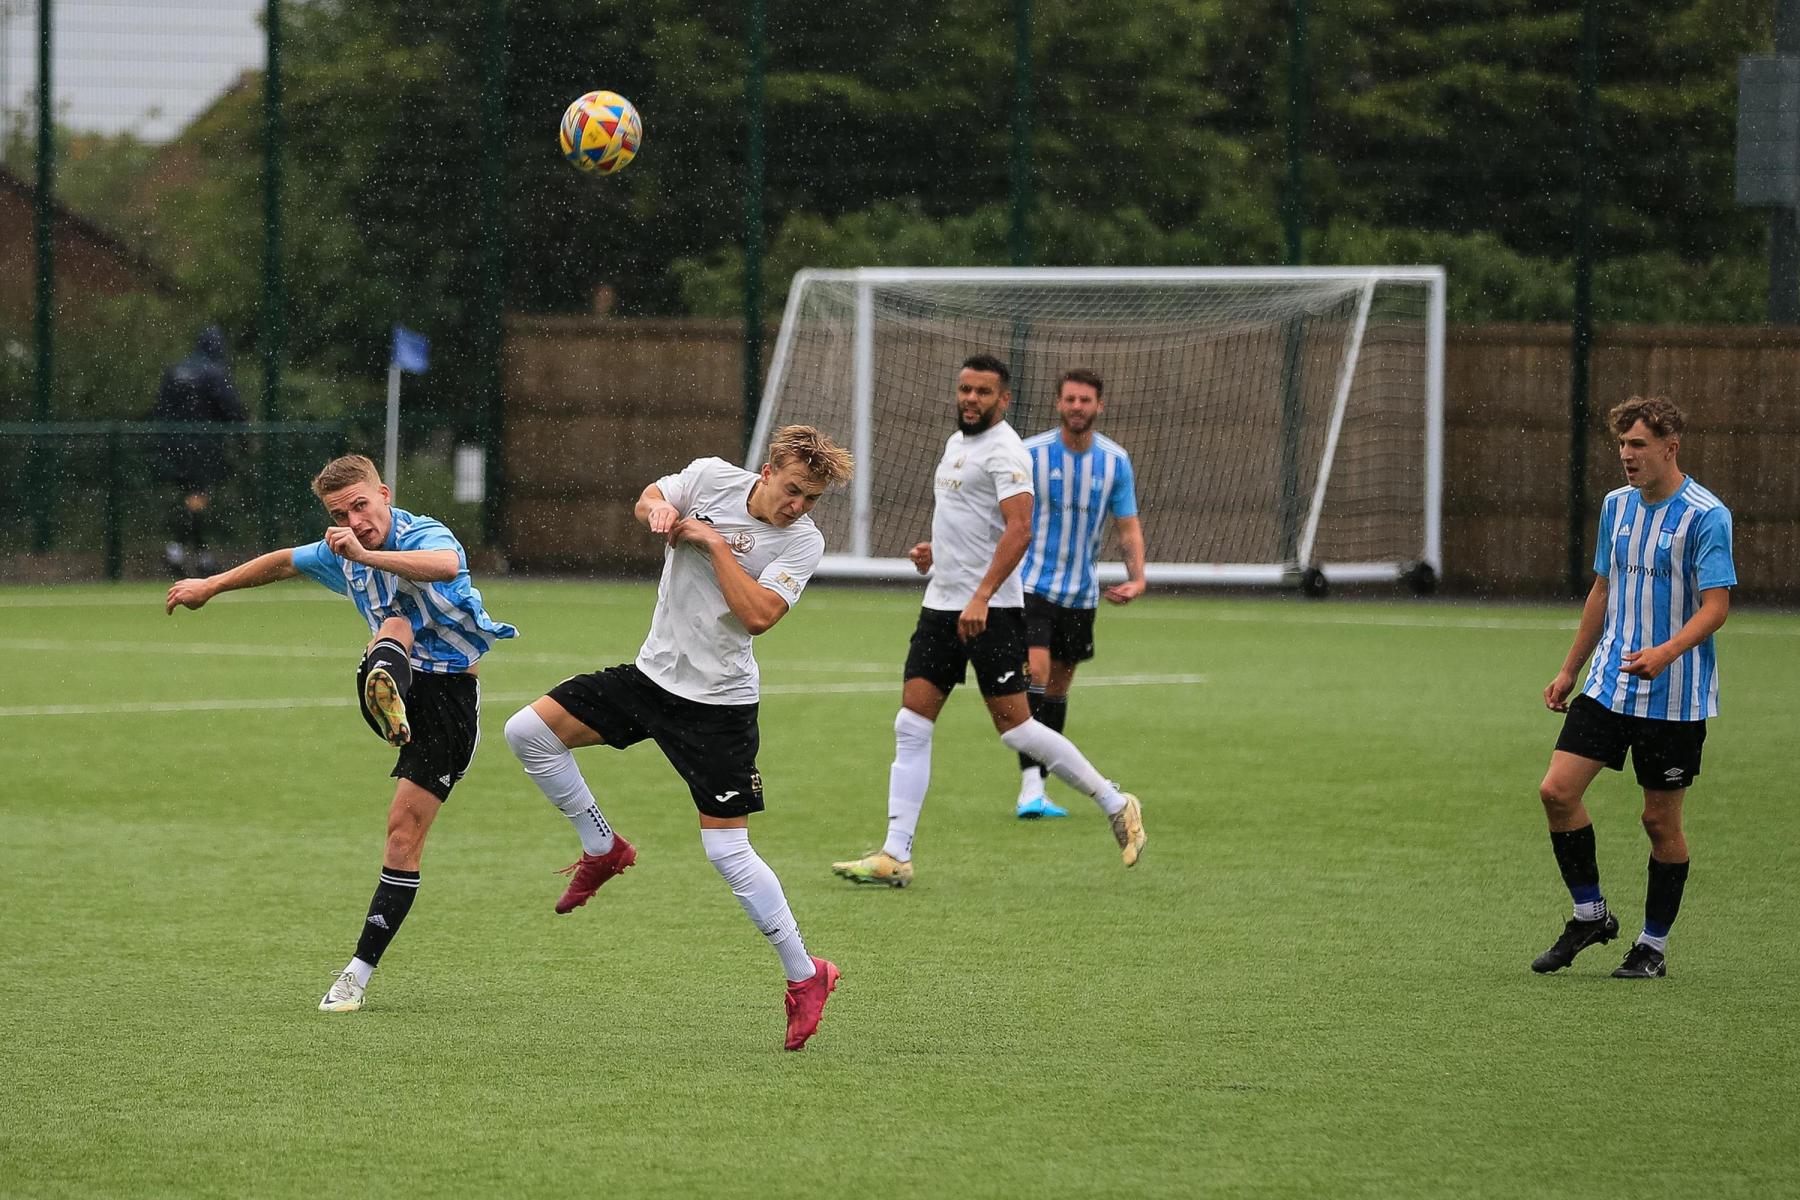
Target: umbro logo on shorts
<point>1672,774</point>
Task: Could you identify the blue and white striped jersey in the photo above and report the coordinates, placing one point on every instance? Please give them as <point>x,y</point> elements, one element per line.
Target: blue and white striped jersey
<point>451,630</point>
<point>1075,494</point>
<point>1657,559</point>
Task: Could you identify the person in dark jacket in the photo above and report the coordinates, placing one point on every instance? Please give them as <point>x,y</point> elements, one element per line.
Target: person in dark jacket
<point>196,389</point>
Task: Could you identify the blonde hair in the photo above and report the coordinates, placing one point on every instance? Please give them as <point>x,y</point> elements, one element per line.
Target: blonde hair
<point>340,473</point>
<point>822,457</point>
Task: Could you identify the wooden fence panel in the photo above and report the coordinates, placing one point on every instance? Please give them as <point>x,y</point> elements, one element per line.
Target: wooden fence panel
<point>598,407</point>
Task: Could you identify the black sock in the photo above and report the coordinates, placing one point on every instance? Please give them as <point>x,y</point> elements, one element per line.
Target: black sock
<point>1576,859</point>
<point>1662,900</point>
<point>1053,712</point>
<point>1034,696</point>
<point>390,656</point>
<point>393,899</point>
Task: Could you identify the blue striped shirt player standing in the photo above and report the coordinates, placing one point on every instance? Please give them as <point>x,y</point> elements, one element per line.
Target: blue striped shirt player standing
<point>409,578</point>
<point>1663,576</point>
<point>1081,479</point>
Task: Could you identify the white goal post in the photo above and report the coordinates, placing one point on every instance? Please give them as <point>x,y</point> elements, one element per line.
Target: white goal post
<point>1285,424</point>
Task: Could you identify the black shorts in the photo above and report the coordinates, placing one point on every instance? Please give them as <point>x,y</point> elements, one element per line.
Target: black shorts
<point>445,714</point>
<point>1664,754</point>
<point>939,656</point>
<point>1067,632</point>
<point>712,746</point>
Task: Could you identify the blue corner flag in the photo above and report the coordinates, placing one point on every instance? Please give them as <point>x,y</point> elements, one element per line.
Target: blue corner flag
<point>412,351</point>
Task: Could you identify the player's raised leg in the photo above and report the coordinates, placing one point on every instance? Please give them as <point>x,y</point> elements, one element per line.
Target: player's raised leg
<point>1572,841</point>
<point>542,736</point>
<point>409,820</point>
<point>385,678</point>
<point>1647,957</point>
<point>810,980</point>
<point>1020,732</point>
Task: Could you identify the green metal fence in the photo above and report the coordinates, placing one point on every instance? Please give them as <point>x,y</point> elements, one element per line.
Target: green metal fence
<point>104,488</point>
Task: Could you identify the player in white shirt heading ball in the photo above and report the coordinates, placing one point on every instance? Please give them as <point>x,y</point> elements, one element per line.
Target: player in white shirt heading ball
<point>741,550</point>
<point>974,612</point>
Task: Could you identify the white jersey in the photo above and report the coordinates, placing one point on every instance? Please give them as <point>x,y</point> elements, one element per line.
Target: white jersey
<point>697,648</point>
<point>976,474</point>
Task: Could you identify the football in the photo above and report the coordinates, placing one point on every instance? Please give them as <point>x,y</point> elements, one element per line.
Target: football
<point>601,132</point>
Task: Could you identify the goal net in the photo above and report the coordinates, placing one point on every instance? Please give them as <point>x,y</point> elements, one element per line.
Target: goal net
<point>1285,425</point>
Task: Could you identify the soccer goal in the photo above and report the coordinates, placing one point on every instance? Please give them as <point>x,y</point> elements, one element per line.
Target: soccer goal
<point>1285,424</point>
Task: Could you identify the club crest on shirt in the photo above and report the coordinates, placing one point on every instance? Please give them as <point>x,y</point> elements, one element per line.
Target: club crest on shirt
<point>1666,540</point>
<point>742,542</point>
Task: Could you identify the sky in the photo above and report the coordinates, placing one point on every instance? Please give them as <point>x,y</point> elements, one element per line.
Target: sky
<point>148,66</point>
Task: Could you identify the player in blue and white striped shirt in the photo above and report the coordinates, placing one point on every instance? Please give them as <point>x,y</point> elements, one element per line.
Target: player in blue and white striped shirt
<point>409,578</point>
<point>1662,587</point>
<point>1081,479</point>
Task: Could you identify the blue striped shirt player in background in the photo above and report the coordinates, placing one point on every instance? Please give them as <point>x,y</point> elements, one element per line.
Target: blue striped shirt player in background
<point>1662,587</point>
<point>409,578</point>
<point>1081,479</point>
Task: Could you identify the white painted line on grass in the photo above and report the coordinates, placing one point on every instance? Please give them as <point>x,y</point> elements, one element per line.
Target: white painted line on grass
<point>148,599</point>
<point>1418,621</point>
<point>347,652</point>
<point>853,687</point>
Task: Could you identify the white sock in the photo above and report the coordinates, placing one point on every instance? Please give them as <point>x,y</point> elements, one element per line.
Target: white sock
<point>907,781</point>
<point>1658,944</point>
<point>757,889</point>
<point>1591,910</point>
<point>1031,784</point>
<point>550,765</point>
<point>361,970</point>
<point>1037,740</point>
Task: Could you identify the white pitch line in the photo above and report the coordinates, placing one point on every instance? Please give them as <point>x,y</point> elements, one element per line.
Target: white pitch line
<point>864,687</point>
<point>1421,621</point>
<point>346,652</point>
<point>151,600</point>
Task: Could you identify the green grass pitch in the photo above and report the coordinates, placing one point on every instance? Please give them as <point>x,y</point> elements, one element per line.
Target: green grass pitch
<point>1314,984</point>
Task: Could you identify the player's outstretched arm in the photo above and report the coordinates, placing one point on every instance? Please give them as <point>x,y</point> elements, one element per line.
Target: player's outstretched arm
<point>268,568</point>
<point>1131,544</point>
<point>1587,636</point>
<point>420,566</point>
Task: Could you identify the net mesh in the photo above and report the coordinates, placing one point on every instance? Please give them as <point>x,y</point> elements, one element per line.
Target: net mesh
<point>1222,391</point>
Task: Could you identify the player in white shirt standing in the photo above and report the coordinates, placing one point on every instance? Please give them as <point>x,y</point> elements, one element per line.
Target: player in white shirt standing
<point>741,550</point>
<point>974,612</point>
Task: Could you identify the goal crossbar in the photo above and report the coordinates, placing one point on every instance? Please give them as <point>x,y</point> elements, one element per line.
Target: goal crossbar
<point>856,400</point>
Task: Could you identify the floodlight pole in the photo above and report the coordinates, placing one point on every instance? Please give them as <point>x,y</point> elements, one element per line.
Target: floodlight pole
<point>274,300</point>
<point>754,116</point>
<point>1582,331</point>
<point>1293,202</point>
<point>1784,231</point>
<point>1021,137</point>
<point>46,279</point>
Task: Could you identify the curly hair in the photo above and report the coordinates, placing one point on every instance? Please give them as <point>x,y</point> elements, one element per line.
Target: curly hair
<point>1658,413</point>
